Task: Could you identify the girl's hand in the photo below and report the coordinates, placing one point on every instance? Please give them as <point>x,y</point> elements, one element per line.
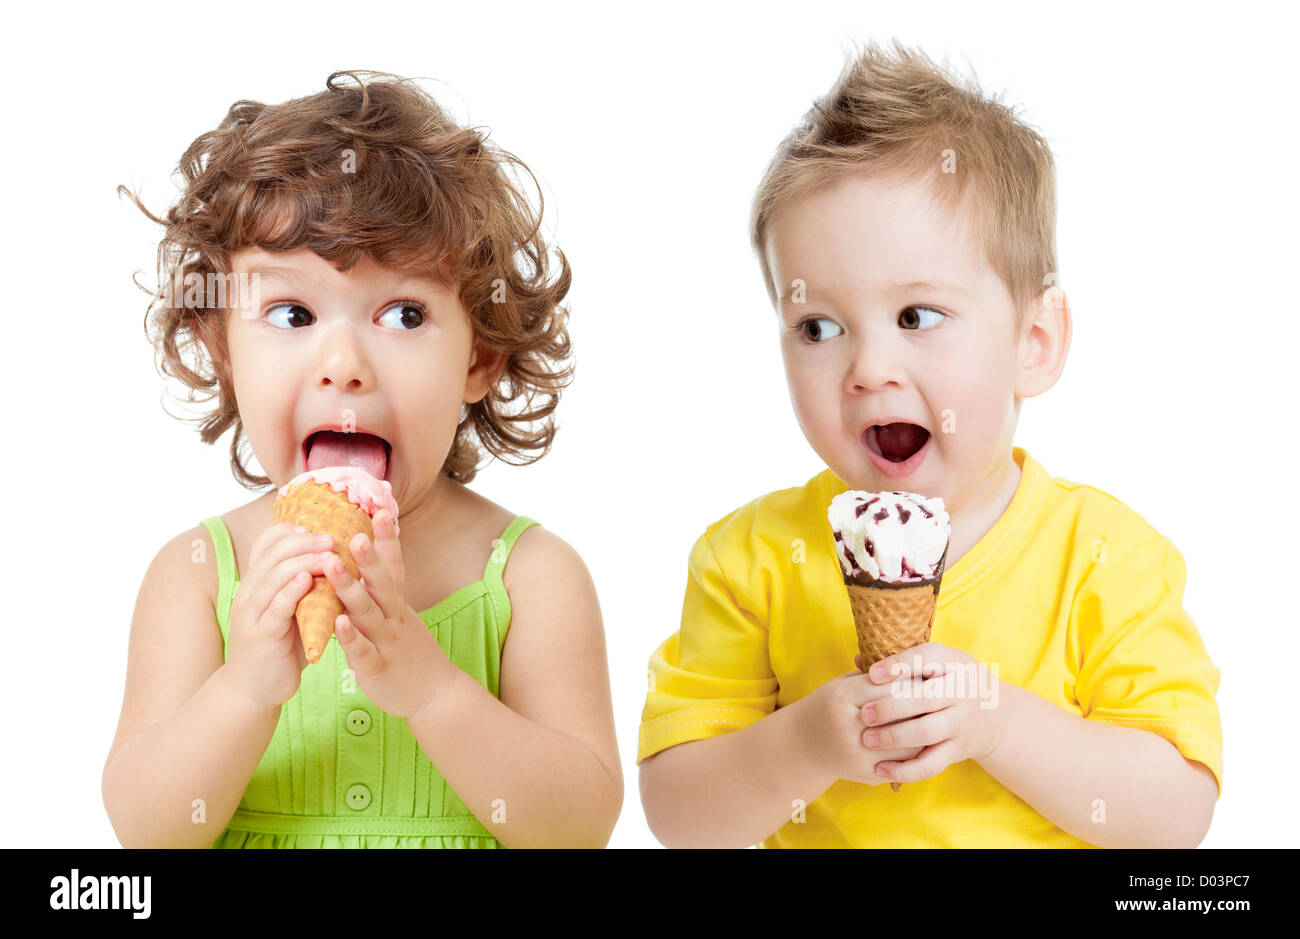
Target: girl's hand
<point>266,655</point>
<point>941,699</point>
<point>833,733</point>
<point>397,661</point>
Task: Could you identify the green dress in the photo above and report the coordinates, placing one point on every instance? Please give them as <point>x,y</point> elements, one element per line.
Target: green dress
<point>341,773</point>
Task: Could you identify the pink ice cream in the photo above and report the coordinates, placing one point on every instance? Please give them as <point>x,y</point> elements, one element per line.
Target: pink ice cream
<point>362,488</point>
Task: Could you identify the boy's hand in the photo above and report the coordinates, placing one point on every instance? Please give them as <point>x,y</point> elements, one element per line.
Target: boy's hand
<point>942,700</point>
<point>833,731</point>
<point>397,661</point>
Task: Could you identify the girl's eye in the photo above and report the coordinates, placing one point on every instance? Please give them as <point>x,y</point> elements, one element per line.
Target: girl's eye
<point>911,318</point>
<point>408,315</point>
<point>295,311</point>
<point>816,332</point>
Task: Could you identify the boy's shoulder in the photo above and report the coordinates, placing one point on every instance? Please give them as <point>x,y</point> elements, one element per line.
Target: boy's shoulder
<point>775,518</point>
<point>1097,518</point>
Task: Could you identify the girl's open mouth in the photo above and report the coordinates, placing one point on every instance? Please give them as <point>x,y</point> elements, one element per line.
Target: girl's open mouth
<point>333,448</point>
<point>897,449</point>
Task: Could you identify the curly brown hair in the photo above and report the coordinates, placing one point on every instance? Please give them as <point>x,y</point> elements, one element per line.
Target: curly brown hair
<point>373,168</point>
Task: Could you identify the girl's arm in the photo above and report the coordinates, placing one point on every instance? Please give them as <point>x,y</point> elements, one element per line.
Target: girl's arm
<point>185,733</point>
<point>539,767</point>
<point>1112,786</point>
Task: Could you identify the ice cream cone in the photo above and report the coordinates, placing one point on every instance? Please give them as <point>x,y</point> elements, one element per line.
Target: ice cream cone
<point>892,618</point>
<point>318,507</point>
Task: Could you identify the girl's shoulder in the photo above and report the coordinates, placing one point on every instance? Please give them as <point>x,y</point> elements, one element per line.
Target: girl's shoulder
<point>538,555</point>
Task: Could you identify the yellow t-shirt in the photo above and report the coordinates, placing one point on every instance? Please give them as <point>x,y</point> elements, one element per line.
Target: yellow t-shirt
<point>1071,593</point>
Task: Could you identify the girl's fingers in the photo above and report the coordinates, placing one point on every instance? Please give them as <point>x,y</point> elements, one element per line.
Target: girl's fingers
<point>362,609</point>
<point>295,545</point>
<point>285,601</point>
<point>262,589</point>
<point>376,572</point>
<point>270,538</point>
<point>388,549</point>
<point>359,650</point>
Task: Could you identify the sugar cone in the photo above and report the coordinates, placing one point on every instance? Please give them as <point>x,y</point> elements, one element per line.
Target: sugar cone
<point>891,618</point>
<point>318,507</point>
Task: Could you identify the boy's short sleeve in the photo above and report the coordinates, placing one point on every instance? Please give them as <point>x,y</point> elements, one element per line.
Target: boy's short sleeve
<point>1140,660</point>
<point>714,675</point>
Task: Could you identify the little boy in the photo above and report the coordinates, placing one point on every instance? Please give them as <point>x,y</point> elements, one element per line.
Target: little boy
<point>906,232</point>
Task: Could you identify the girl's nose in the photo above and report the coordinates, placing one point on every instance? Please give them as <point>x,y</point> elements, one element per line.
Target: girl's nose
<point>343,363</point>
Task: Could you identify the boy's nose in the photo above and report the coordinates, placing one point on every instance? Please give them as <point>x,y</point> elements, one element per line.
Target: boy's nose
<point>875,364</point>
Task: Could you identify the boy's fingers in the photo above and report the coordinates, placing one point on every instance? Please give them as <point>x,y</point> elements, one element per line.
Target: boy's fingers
<point>932,761</point>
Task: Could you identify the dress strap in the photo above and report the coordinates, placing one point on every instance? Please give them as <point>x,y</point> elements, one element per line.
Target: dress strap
<point>501,549</point>
<point>227,572</point>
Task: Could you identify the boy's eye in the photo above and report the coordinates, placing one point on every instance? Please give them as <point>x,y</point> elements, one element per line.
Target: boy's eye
<point>409,315</point>
<point>911,318</point>
<point>816,332</point>
<point>295,311</point>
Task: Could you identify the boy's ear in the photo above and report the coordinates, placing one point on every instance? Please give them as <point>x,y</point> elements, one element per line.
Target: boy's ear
<point>1043,343</point>
<point>485,367</point>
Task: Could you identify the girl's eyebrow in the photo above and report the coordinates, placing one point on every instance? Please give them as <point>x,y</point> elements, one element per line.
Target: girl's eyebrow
<point>275,272</point>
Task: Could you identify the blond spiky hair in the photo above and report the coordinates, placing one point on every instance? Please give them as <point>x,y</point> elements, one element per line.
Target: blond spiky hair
<point>900,116</point>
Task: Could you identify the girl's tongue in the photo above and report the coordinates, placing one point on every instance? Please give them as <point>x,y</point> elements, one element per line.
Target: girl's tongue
<point>364,451</point>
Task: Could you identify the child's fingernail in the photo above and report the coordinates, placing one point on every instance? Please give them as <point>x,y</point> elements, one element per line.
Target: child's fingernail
<point>870,714</point>
<point>872,740</point>
<point>877,672</point>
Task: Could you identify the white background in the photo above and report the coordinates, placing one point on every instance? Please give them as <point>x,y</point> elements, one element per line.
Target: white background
<point>1174,141</point>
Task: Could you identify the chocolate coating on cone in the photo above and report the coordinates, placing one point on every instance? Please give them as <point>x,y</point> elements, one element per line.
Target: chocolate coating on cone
<point>890,617</point>
<point>318,507</point>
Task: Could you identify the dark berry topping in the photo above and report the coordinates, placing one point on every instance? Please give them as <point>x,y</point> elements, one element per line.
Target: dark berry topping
<point>903,514</point>
<point>881,515</point>
<point>928,513</point>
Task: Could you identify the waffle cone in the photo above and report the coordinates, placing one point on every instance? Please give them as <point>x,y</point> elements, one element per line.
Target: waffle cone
<point>318,507</point>
<point>892,618</point>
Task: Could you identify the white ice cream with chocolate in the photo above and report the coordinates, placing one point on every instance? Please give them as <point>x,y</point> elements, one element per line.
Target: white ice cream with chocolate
<point>897,537</point>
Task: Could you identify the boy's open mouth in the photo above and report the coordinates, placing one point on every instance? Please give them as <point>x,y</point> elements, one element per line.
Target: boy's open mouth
<point>895,442</point>
<point>333,448</point>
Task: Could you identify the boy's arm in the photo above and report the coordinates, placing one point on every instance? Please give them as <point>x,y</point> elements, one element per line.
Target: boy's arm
<point>733,790</point>
<point>539,767</point>
<point>1112,786</point>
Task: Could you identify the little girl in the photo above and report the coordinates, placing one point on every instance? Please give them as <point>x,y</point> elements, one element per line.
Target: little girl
<point>390,294</point>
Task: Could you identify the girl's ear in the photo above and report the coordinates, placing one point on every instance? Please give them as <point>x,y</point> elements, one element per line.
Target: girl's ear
<point>485,367</point>
<point>211,332</point>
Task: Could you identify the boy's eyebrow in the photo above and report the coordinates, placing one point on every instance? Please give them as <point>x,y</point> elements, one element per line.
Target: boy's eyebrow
<point>897,288</point>
<point>927,285</point>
